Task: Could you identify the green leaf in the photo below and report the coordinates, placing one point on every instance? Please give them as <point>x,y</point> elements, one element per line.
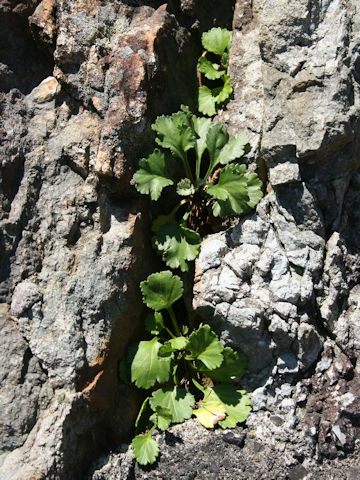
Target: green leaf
<point>145,449</point>
<point>225,59</point>
<point>160,221</point>
<point>201,127</point>
<point>207,101</point>
<point>185,187</point>
<point>231,191</point>
<point>160,290</point>
<point>236,402</point>
<point>143,417</point>
<point>162,417</point>
<point>149,366</point>
<point>174,133</point>
<point>217,136</point>
<point>233,365</point>
<point>177,400</point>
<point>234,148</point>
<point>225,91</point>
<point>254,185</point>
<point>209,69</point>
<point>152,177</point>
<point>178,245</point>
<point>217,40</point>
<point>174,345</point>
<point>206,347</point>
<point>210,411</point>
<point>154,323</point>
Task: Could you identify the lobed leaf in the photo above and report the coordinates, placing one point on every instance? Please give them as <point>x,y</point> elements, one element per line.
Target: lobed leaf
<point>225,91</point>
<point>231,191</point>
<point>217,40</point>
<point>207,101</point>
<point>174,133</point>
<point>233,365</point>
<point>210,411</point>
<point>152,177</point>
<point>206,347</point>
<point>185,188</point>
<point>177,400</point>
<point>209,69</point>
<point>174,345</point>
<point>178,245</point>
<point>145,448</point>
<point>148,366</point>
<point>237,403</point>
<point>160,290</point>
<point>233,149</point>
<point>200,127</point>
<point>162,417</point>
<point>254,185</point>
<point>216,138</point>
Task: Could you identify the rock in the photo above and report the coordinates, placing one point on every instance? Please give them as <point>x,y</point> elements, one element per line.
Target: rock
<point>81,84</point>
<point>26,294</point>
<point>282,301</point>
<point>189,451</point>
<point>22,385</point>
<point>46,91</point>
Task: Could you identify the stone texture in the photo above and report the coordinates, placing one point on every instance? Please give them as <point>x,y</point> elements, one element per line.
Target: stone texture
<point>282,285</point>
<point>268,450</point>
<point>81,82</point>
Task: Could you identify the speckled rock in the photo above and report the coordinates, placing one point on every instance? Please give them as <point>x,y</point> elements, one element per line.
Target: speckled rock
<point>282,284</point>
<point>81,82</point>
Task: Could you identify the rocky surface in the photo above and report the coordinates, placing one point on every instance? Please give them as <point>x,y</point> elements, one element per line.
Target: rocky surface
<point>282,285</point>
<point>267,450</point>
<point>81,82</point>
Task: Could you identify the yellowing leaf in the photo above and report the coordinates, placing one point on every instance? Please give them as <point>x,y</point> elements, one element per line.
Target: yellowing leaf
<point>210,413</point>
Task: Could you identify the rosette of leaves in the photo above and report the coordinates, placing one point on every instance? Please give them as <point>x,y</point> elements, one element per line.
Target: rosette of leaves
<point>203,148</point>
<point>172,364</point>
<point>213,65</point>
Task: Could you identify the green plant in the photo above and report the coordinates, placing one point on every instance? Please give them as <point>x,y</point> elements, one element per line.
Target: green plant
<point>214,64</point>
<point>211,176</point>
<point>174,366</point>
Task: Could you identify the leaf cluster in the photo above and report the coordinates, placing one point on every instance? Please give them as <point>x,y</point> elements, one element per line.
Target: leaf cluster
<point>173,358</point>
<point>217,43</point>
<point>203,148</point>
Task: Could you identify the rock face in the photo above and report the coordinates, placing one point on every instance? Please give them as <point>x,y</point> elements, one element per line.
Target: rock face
<point>81,84</point>
<point>282,285</point>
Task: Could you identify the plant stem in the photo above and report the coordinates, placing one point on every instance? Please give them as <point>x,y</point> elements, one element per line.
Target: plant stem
<point>174,322</point>
<point>180,204</point>
<point>197,170</point>
<point>187,168</point>
<point>170,333</point>
<point>210,169</point>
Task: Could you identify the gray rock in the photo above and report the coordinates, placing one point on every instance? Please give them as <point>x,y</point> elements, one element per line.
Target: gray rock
<point>281,285</point>
<point>284,298</point>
